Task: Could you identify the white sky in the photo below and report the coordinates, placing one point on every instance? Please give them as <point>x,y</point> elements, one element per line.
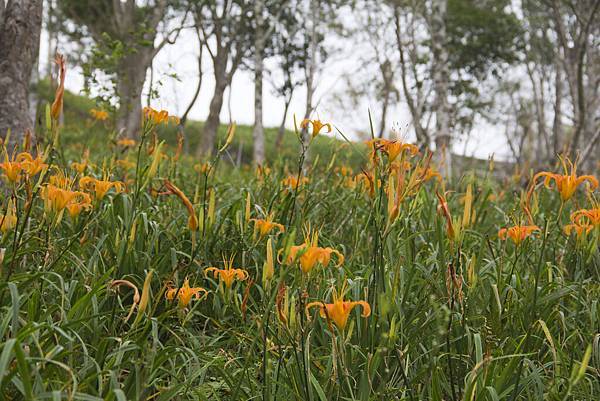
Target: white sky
<point>181,59</point>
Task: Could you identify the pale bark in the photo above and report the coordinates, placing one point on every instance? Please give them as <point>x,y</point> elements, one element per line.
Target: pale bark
<point>310,68</point>
<point>184,116</point>
<point>414,105</point>
<point>281,130</point>
<point>258,132</point>
<point>211,125</point>
<point>223,78</point>
<point>133,66</point>
<point>587,151</point>
<point>440,83</point>
<point>387,76</point>
<point>20,26</point>
<point>130,83</point>
<point>557,123</point>
<point>226,55</point>
<point>574,50</point>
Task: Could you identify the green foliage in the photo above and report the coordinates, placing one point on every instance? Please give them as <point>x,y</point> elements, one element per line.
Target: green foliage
<point>482,36</point>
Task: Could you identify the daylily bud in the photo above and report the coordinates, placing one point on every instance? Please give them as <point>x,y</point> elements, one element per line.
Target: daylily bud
<point>229,139</point>
<point>157,156</point>
<point>247,211</point>
<point>145,297</point>
<point>211,208</point>
<point>268,267</point>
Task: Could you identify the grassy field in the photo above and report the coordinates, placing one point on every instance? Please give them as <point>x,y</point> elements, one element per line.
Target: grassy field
<point>133,271</point>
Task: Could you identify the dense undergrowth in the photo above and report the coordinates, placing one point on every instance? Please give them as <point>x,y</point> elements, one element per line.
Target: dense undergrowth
<point>134,271</point>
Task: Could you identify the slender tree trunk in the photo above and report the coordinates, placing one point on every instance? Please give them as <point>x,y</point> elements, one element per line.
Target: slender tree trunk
<point>184,117</point>
<point>281,131</point>
<point>211,126</point>
<point>413,105</point>
<point>575,50</point>
<point>310,68</point>
<point>557,123</point>
<point>387,76</point>
<point>384,109</point>
<point>131,77</point>
<point>258,132</point>
<point>440,82</point>
<point>33,83</point>
<point>20,26</point>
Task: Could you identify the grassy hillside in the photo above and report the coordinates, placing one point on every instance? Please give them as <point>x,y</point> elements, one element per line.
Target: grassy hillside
<point>81,128</point>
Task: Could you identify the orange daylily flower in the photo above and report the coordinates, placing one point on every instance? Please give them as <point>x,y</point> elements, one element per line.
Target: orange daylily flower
<point>76,208</point>
<point>100,115</point>
<point>292,181</point>
<point>517,233</point>
<point>428,173</point>
<point>185,293</point>
<point>583,221</point>
<point>56,199</point>
<point>228,274</point>
<point>265,226</point>
<point>159,117</point>
<point>567,183</point>
<point>126,142</point>
<point>30,165</point>
<point>81,202</point>
<point>591,215</point>
<point>173,190</point>
<point>339,310</point>
<point>100,187</point>
<point>392,148</point>
<point>12,169</point>
<point>579,228</point>
<point>317,126</point>
<point>309,254</point>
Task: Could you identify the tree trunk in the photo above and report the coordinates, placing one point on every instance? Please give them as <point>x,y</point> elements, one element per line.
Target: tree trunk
<point>211,126</point>
<point>281,131</point>
<point>440,83</point>
<point>184,117</point>
<point>387,76</point>
<point>310,69</point>
<point>384,109</point>
<point>258,132</point>
<point>33,83</point>
<point>557,122</point>
<point>130,83</point>
<point>413,104</point>
<point>20,26</point>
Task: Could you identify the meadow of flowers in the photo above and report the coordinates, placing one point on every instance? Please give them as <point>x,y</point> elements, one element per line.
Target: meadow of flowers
<point>136,272</point>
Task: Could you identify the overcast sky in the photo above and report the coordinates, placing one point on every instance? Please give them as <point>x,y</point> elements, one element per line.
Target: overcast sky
<point>175,94</point>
